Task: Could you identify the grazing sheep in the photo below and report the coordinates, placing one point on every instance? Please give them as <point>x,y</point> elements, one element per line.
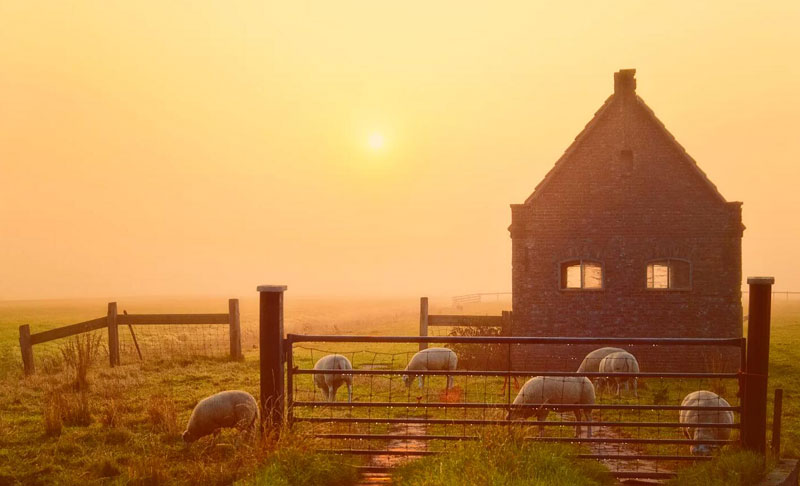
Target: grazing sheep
<point>703,398</point>
<point>431,359</point>
<point>330,383</point>
<point>554,390</point>
<point>591,363</point>
<point>231,408</point>
<point>621,362</point>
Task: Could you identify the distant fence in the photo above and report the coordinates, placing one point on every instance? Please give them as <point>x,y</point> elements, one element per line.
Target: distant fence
<point>450,320</point>
<point>477,298</point>
<point>111,322</point>
<point>776,294</point>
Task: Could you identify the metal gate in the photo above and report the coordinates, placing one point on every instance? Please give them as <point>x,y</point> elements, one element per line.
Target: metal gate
<point>388,422</point>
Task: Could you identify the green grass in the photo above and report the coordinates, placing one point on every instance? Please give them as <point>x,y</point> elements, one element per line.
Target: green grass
<point>295,463</point>
<point>503,460</point>
<point>138,410</point>
<point>732,467</point>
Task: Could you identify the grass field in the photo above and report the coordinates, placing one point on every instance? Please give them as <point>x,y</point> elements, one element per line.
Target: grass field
<point>125,428</point>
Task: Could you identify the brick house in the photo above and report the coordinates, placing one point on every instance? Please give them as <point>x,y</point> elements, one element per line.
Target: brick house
<point>626,236</point>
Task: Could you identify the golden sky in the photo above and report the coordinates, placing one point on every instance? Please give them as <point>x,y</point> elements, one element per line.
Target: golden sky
<point>199,147</point>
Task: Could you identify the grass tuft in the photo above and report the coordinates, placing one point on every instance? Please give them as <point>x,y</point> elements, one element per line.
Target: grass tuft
<point>293,462</point>
<point>504,460</point>
<point>730,467</point>
<point>51,414</point>
<point>163,415</point>
<point>79,353</point>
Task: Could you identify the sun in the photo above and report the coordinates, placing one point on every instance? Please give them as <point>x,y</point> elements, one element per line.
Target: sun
<point>375,141</point>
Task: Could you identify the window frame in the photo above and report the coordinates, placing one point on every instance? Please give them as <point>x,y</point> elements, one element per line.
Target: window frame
<point>669,288</point>
<point>581,262</point>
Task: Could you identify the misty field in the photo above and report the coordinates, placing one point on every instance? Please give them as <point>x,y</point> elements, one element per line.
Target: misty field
<point>124,426</point>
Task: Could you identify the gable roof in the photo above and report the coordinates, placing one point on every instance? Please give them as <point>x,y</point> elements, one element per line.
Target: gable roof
<point>624,85</point>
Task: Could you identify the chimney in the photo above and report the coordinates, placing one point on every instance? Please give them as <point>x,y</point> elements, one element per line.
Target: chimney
<point>625,81</point>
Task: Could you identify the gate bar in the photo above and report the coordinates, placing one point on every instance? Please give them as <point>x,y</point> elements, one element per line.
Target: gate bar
<point>327,338</point>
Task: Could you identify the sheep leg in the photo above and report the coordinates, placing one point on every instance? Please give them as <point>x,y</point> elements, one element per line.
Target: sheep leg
<point>449,382</point>
<point>350,392</point>
<point>421,381</point>
<point>617,387</point>
<point>541,416</point>
<point>577,413</point>
<point>636,387</point>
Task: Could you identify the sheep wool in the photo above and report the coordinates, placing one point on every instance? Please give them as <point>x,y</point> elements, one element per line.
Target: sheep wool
<point>705,398</point>
<point>431,359</point>
<point>330,383</point>
<point>227,409</point>
<point>554,390</point>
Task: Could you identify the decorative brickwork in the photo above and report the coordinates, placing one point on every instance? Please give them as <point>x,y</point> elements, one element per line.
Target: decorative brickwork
<point>625,194</point>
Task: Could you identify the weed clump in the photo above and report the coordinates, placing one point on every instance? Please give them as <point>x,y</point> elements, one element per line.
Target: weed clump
<point>163,415</point>
<point>730,467</point>
<point>79,353</point>
<point>51,414</point>
<point>504,460</point>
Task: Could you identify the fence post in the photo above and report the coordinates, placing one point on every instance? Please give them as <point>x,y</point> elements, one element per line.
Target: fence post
<point>423,320</point>
<point>27,349</point>
<point>754,409</point>
<point>777,412</point>
<point>271,357</point>
<point>235,329</point>
<point>113,334</point>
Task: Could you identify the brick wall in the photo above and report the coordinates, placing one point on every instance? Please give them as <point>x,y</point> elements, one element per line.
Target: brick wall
<point>598,204</point>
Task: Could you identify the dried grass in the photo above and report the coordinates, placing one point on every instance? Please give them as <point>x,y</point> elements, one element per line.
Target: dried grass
<point>163,415</point>
<point>79,353</point>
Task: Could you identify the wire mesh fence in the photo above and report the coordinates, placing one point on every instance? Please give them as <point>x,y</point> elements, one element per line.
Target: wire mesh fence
<point>160,342</point>
<point>636,432</point>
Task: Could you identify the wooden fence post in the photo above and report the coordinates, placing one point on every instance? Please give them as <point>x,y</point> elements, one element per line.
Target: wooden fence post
<point>777,413</point>
<point>754,407</point>
<point>113,335</point>
<point>27,349</point>
<point>270,339</point>
<point>235,329</point>
<point>423,320</point>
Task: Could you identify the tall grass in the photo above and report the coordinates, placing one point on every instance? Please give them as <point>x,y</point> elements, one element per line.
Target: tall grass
<point>295,463</point>
<point>501,459</point>
<point>79,353</point>
<point>731,467</point>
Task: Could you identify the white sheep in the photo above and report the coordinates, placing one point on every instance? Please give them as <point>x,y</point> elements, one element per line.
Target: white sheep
<point>591,363</point>
<point>330,383</point>
<point>621,362</point>
<point>554,390</point>
<point>704,398</point>
<point>227,409</point>
<point>431,359</point>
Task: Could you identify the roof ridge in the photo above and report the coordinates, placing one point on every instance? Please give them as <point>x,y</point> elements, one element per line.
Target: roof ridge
<point>683,150</point>
<point>578,138</point>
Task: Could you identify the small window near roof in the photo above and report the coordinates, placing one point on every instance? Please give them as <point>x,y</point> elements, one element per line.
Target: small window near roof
<point>669,274</point>
<point>582,274</point>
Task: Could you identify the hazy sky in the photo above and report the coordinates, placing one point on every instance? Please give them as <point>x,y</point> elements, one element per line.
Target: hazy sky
<point>206,147</point>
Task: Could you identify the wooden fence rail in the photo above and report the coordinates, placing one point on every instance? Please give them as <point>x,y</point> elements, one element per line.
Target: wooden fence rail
<point>112,320</point>
<point>425,320</point>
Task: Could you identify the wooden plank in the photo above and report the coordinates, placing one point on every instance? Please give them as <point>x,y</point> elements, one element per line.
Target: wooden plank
<point>113,334</point>
<point>423,320</point>
<point>26,348</point>
<point>145,319</point>
<point>473,321</point>
<point>235,330</point>
<point>66,331</point>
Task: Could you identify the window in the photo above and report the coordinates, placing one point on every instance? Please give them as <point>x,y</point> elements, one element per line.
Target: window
<point>582,274</point>
<point>669,274</point>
